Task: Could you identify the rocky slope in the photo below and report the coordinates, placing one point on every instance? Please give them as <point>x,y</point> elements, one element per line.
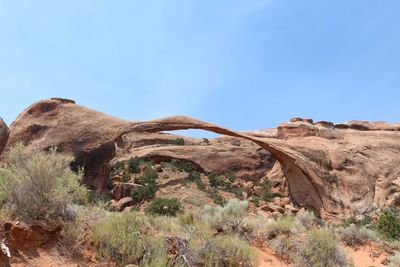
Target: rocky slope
<point>337,170</point>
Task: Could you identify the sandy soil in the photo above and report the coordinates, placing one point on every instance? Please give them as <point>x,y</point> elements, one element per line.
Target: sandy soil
<point>268,259</point>
<point>366,256</point>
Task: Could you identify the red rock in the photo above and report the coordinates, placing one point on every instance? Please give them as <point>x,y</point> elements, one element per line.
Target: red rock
<point>21,236</point>
<point>4,132</point>
<point>325,168</point>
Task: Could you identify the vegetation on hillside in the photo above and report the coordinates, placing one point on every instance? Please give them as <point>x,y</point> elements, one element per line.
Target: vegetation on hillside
<point>41,186</point>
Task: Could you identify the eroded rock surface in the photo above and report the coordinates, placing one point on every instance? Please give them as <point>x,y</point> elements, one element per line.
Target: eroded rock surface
<point>337,169</point>
<point>218,155</point>
<point>86,134</point>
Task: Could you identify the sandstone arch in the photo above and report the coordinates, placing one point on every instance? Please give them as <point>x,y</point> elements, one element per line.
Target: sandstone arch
<point>301,187</point>
<point>338,170</point>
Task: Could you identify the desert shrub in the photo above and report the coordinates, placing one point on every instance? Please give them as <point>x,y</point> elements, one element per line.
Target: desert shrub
<point>148,187</point>
<point>268,196</point>
<point>200,185</point>
<point>364,221</point>
<point>283,246</point>
<point>217,198</point>
<point>266,184</point>
<point>229,251</point>
<point>123,238</point>
<point>134,164</point>
<point>183,166</point>
<point>320,249</point>
<point>73,233</point>
<point>255,200</point>
<point>238,193</point>
<point>389,225</point>
<point>43,185</point>
<point>146,192</point>
<point>282,225</point>
<point>356,235</point>
<point>216,180</point>
<point>118,167</point>
<point>228,218</point>
<point>179,142</point>
<point>231,176</point>
<point>164,206</point>
<point>307,219</point>
<point>206,141</point>
<point>394,261</point>
<point>7,182</point>
<point>195,176</point>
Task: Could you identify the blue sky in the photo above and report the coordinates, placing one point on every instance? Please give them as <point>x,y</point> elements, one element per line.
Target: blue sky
<point>239,63</point>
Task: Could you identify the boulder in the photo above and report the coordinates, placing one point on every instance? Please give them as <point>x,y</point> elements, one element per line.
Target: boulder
<point>22,237</point>
<point>122,190</point>
<point>121,204</point>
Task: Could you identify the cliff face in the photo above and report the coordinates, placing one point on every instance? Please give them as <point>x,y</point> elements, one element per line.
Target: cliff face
<point>338,170</point>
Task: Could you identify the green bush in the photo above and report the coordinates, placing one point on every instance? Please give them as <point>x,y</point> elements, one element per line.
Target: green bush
<point>321,249</point>
<point>183,166</point>
<point>148,186</point>
<point>40,185</point>
<point>389,225</point>
<point>118,167</point>
<point>255,200</point>
<point>134,165</point>
<point>164,206</point>
<point>179,142</point>
<point>193,176</point>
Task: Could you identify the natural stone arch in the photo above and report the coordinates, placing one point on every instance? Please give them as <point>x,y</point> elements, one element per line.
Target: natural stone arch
<point>301,187</point>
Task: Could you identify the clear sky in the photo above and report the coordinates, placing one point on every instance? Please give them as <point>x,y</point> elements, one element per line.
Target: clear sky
<point>244,64</point>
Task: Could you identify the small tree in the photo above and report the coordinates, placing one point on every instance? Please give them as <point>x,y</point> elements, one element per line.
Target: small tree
<point>148,186</point>
<point>389,226</point>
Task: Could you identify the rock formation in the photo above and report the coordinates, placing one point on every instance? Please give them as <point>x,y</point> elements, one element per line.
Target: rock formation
<point>218,155</point>
<point>3,134</point>
<point>336,169</point>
